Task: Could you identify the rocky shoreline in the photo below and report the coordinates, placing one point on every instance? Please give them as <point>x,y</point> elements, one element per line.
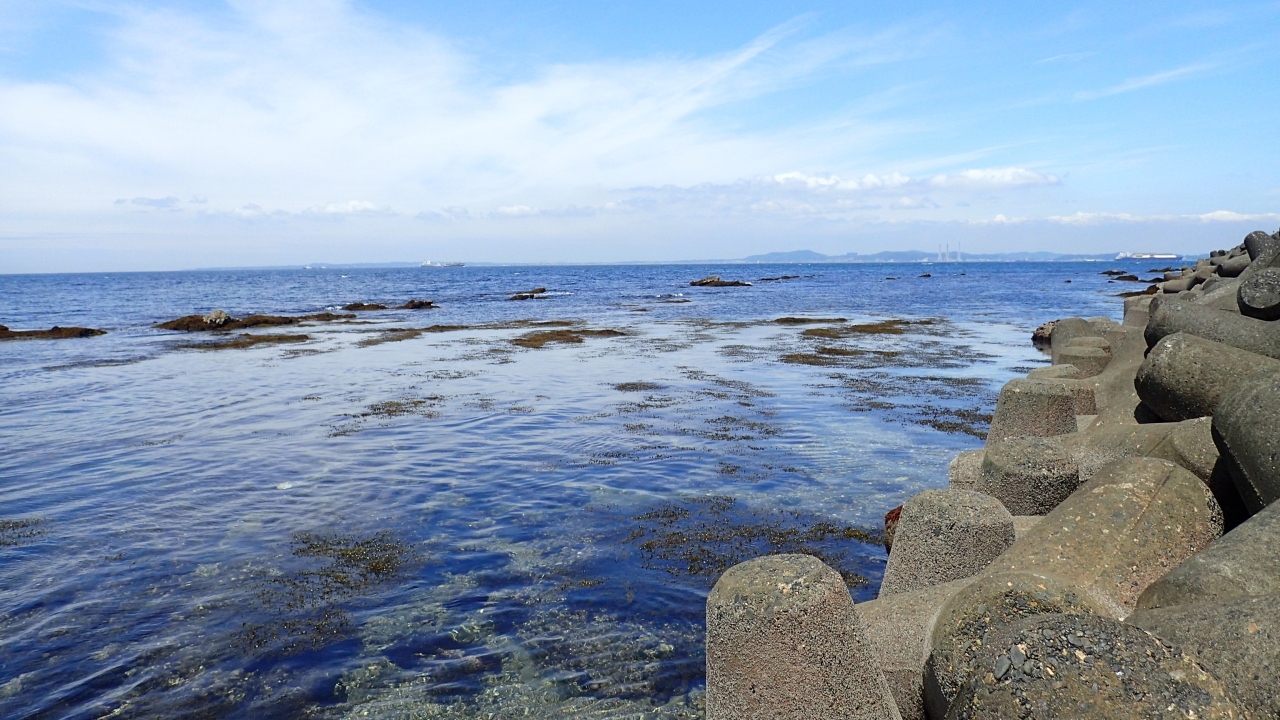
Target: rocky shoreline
<point>1112,551</point>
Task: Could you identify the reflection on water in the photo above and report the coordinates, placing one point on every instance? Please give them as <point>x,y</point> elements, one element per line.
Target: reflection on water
<point>490,509</point>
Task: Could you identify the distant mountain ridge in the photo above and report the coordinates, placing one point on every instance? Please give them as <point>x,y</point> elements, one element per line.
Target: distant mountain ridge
<point>809,256</point>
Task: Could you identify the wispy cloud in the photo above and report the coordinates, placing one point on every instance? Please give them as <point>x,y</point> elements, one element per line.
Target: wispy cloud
<point>1138,83</point>
<point>1218,216</point>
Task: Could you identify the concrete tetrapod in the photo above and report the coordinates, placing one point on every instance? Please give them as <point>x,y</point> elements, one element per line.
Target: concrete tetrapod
<point>1066,330</point>
<point>1034,408</point>
<point>784,641</point>
<point>1242,563</point>
<point>1086,666</point>
<point>1238,641</point>
<point>1121,531</point>
<point>1246,428</point>
<point>1185,376</point>
<point>1028,475</point>
<point>990,603</point>
<point>1088,360</point>
<point>1173,316</point>
<point>964,469</point>
<point>1259,294</point>
<point>945,535</point>
<point>900,626</point>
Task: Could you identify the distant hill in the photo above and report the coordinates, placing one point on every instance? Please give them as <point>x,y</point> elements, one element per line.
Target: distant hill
<point>809,256</point>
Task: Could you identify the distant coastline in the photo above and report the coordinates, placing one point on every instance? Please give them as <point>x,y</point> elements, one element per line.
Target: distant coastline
<point>794,257</point>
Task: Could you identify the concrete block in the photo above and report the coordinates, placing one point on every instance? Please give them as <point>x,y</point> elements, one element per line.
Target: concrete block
<point>1242,563</point>
<point>1023,523</point>
<point>1089,361</point>
<point>1174,316</point>
<point>900,626</point>
<point>1029,476</point>
<point>945,535</point>
<point>1237,641</point>
<point>784,641</point>
<point>991,603</point>
<point>964,469</point>
<point>1066,330</point>
<point>1124,529</point>
<point>1086,666</point>
<point>1185,376</point>
<point>1136,311</point>
<point>1034,408</point>
<point>1259,295</point>
<point>1246,429</point>
<point>1055,372</point>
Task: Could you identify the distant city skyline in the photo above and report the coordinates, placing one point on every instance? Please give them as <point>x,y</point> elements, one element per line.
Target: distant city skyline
<point>147,135</point>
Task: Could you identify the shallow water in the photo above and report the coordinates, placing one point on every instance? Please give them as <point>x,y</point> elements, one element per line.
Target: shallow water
<point>368,523</point>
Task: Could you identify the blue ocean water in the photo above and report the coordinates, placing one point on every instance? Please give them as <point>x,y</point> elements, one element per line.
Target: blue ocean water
<point>375,522</point>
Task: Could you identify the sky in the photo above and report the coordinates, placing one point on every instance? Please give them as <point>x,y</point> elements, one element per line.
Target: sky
<point>194,133</point>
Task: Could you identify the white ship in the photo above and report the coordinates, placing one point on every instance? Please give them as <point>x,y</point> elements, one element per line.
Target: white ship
<point>1147,256</point>
<point>428,263</point>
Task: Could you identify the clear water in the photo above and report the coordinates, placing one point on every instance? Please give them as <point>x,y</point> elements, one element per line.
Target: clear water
<point>448,524</point>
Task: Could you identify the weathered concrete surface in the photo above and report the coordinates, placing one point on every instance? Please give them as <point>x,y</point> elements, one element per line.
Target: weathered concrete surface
<point>1023,523</point>
<point>1089,361</point>
<point>900,626</point>
<point>1086,666</point>
<point>1185,376</point>
<point>945,535</point>
<point>1259,295</point>
<point>964,469</point>
<point>1055,372</point>
<point>1116,400</point>
<point>1246,428</point>
<point>784,641</point>
<point>1242,563</point>
<point>992,602</point>
<point>1173,316</point>
<point>1136,311</point>
<point>1066,330</point>
<point>1033,408</point>
<point>1030,476</point>
<point>1125,528</point>
<point>1238,641</point>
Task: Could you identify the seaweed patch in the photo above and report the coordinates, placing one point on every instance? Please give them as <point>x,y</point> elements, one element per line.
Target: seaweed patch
<point>308,601</point>
<point>703,537</point>
<point>14,533</point>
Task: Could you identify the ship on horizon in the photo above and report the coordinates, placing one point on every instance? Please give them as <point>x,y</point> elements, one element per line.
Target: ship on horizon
<point>1147,256</point>
<point>428,263</point>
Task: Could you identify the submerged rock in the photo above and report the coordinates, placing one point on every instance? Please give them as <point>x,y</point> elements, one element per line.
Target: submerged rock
<point>224,322</point>
<point>534,294</point>
<point>53,333</point>
<point>361,307</point>
<point>715,281</point>
<point>418,305</point>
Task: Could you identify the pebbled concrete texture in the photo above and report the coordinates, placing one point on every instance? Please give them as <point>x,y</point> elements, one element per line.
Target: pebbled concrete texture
<point>1124,529</point>
<point>1245,431</point>
<point>1237,641</point>
<point>1023,523</point>
<point>784,641</point>
<point>900,626</point>
<point>1055,372</point>
<point>1242,563</point>
<point>992,602</point>
<point>964,469</point>
<point>945,535</point>
<point>1028,475</point>
<point>1034,408</point>
<point>1073,666</point>
<point>1185,376</point>
<point>1137,311</point>
<point>1259,295</point>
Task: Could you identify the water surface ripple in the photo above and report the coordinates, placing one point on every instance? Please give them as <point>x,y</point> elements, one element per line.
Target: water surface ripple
<point>449,524</point>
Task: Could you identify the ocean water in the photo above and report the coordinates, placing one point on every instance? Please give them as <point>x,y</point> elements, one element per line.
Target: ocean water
<point>373,520</point>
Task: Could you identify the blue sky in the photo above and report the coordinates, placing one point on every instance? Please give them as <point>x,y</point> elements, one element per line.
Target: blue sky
<point>145,135</point>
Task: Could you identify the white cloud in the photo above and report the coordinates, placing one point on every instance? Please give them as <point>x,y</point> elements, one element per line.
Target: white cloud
<point>1145,81</point>
<point>350,207</point>
<point>1100,218</point>
<point>994,178</point>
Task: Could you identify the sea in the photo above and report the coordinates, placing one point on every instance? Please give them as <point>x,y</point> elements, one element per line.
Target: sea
<point>491,509</point>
